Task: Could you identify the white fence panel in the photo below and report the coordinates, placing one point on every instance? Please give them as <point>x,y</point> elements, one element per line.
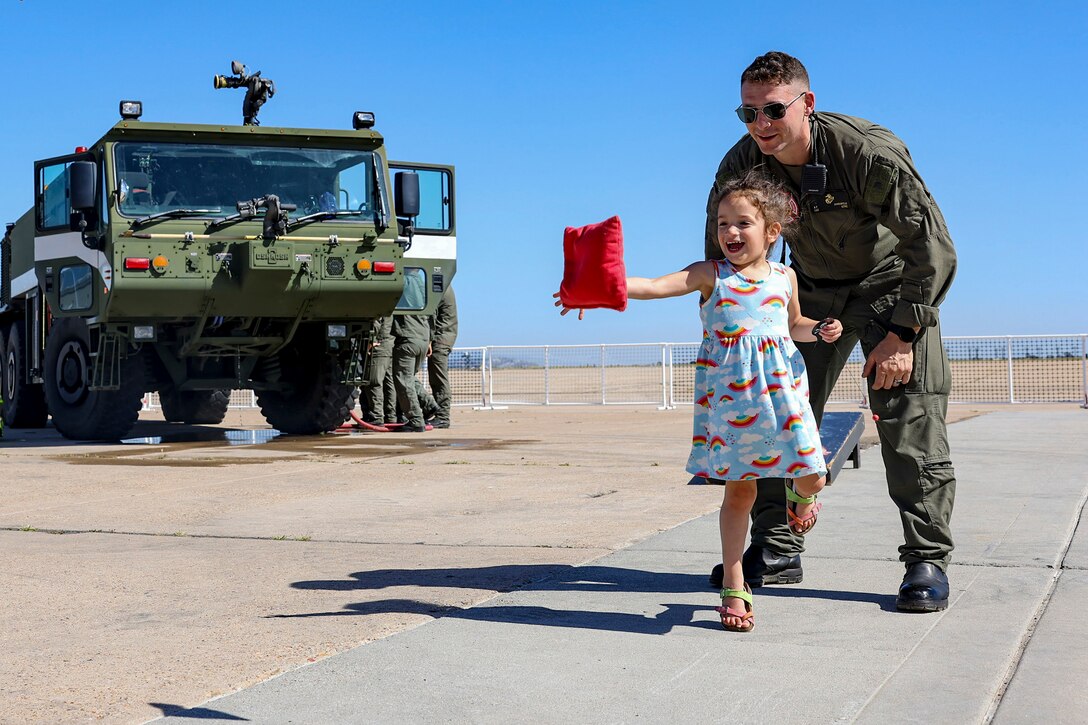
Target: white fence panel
<point>998,369</point>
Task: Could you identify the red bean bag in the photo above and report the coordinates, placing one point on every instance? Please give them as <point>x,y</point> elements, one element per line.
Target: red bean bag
<point>593,271</point>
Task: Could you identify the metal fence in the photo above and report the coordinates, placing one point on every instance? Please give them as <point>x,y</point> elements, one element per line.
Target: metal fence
<point>1009,369</point>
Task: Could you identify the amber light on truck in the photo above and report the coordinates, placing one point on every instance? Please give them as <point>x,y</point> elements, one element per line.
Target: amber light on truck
<point>132,263</point>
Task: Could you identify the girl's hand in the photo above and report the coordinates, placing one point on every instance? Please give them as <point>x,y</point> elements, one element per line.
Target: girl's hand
<point>565,310</point>
<point>829,329</point>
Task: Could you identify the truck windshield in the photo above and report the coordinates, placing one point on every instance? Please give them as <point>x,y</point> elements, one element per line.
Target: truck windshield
<point>159,177</point>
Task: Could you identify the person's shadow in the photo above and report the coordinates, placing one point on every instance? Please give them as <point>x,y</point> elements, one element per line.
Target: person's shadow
<point>549,577</point>
<point>197,713</point>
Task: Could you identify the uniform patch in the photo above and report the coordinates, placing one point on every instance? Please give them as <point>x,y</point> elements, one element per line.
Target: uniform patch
<point>882,178</point>
<point>829,201</point>
<point>795,211</point>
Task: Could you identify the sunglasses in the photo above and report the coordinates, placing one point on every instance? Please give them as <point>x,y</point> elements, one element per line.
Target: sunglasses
<point>773,111</point>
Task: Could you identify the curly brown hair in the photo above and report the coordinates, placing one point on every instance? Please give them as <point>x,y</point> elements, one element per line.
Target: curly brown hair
<point>776,69</point>
<point>769,197</point>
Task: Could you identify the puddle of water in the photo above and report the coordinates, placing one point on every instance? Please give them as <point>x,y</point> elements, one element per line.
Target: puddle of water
<point>202,447</point>
<point>231,437</point>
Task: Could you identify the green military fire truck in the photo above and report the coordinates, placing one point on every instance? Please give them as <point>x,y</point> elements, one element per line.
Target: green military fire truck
<point>192,260</point>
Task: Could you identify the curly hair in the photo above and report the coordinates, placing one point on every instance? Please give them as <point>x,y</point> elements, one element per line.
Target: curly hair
<point>776,69</point>
<point>769,197</point>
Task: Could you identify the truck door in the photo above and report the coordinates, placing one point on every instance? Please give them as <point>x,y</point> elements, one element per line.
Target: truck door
<point>431,261</point>
<point>72,275</point>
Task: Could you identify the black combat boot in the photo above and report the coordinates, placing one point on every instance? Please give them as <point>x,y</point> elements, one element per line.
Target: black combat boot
<point>763,566</point>
<point>924,589</point>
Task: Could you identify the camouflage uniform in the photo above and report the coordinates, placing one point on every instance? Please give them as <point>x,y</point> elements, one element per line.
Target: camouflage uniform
<point>872,249</point>
<point>443,335</point>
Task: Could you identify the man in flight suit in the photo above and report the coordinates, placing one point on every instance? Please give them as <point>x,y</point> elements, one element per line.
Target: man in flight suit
<point>443,335</point>
<point>412,335</point>
<point>380,399</point>
<point>870,248</point>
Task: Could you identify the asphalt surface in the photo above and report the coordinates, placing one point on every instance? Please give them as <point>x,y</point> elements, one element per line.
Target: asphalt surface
<point>632,636</point>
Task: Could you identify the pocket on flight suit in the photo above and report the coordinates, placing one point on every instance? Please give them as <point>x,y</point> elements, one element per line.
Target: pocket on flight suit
<point>932,373</point>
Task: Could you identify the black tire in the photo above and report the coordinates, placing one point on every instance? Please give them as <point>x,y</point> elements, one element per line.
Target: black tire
<point>24,403</point>
<point>195,407</point>
<point>318,400</point>
<point>80,413</point>
<point>3,375</point>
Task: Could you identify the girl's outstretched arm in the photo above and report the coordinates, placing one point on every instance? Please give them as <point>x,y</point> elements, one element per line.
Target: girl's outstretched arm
<point>696,277</point>
<point>801,326</point>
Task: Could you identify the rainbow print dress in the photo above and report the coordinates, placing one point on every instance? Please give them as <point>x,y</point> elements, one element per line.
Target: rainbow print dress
<point>752,415</point>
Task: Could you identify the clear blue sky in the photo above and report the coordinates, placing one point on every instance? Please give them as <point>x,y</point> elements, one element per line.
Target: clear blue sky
<point>565,113</point>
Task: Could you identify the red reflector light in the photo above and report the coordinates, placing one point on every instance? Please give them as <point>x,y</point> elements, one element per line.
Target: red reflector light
<point>137,263</point>
<point>81,149</point>
<point>385,267</point>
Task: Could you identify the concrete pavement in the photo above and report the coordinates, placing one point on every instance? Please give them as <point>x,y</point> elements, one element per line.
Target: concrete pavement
<point>632,636</point>
<point>530,565</point>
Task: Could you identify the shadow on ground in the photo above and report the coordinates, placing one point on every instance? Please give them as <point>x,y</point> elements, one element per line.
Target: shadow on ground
<point>550,577</point>
<point>196,713</point>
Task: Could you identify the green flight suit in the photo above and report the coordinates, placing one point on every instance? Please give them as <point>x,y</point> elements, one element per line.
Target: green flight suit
<point>872,249</point>
<point>443,335</point>
<point>412,334</point>
<point>379,399</point>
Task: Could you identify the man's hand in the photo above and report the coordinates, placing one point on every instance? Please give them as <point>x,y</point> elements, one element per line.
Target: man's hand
<point>565,310</point>
<point>890,363</point>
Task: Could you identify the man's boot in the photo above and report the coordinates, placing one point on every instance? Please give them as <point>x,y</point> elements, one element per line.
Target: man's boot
<point>763,566</point>
<point>924,589</point>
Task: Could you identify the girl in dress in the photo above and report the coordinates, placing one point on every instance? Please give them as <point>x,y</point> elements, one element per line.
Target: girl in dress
<point>752,416</point>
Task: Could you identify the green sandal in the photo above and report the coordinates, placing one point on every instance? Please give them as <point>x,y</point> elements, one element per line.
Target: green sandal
<point>746,617</point>
<point>800,525</point>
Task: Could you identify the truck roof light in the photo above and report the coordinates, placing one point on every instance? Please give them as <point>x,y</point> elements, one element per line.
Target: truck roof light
<point>385,267</point>
<point>81,149</point>
<point>131,110</point>
<point>362,119</point>
<point>137,263</point>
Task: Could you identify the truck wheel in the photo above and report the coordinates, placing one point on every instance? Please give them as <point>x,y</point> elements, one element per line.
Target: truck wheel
<point>24,403</point>
<point>3,373</point>
<point>80,413</point>
<point>195,407</point>
<point>318,401</point>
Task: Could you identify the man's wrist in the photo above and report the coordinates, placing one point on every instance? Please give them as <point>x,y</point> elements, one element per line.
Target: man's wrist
<point>905,334</point>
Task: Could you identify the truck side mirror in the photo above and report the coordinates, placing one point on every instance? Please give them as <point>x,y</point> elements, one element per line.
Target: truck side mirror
<point>81,184</point>
<point>406,192</point>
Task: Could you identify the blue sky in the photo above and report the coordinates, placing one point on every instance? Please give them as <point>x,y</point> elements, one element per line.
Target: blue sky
<point>565,113</point>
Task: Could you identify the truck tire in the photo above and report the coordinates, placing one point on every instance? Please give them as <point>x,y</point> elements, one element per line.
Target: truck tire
<point>24,403</point>
<point>3,372</point>
<point>195,407</point>
<point>80,413</point>
<point>318,400</point>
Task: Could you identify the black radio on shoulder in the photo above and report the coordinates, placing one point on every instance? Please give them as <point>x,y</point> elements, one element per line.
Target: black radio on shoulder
<point>813,179</point>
